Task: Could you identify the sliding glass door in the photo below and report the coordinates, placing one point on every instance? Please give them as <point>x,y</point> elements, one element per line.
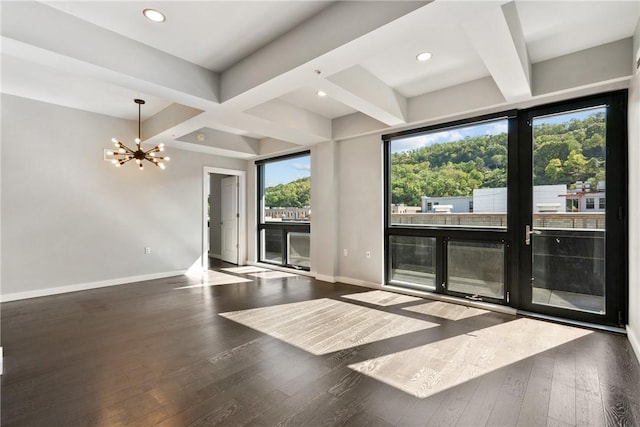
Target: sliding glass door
<point>525,208</point>
<point>574,209</point>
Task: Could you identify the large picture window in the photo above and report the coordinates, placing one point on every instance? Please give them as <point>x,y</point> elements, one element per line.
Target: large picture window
<point>451,177</point>
<point>525,208</point>
<point>284,210</point>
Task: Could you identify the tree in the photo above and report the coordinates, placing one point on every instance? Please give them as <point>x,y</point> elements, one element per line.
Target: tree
<point>295,194</point>
<point>563,153</point>
<point>553,172</point>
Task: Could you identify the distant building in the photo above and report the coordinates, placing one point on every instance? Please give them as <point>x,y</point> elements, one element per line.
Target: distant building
<point>546,199</point>
<point>582,199</point>
<point>401,208</point>
<point>459,204</point>
<point>287,214</point>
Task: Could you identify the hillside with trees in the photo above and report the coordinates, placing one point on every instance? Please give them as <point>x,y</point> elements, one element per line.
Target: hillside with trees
<point>564,153</point>
<point>295,194</point>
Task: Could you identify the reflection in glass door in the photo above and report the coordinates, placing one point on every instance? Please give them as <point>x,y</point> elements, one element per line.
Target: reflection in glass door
<point>567,229</point>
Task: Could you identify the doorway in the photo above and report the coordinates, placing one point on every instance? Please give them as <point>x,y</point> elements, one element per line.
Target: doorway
<point>572,244</point>
<point>223,229</point>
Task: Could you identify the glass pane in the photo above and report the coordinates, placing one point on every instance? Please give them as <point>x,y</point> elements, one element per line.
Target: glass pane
<point>453,177</point>
<point>476,268</point>
<point>298,253</point>
<point>272,245</point>
<point>413,261</point>
<point>569,196</point>
<point>287,190</point>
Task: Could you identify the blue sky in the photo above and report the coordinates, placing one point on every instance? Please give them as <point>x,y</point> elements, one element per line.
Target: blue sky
<point>490,128</point>
<point>562,118</point>
<point>448,135</point>
<point>285,171</point>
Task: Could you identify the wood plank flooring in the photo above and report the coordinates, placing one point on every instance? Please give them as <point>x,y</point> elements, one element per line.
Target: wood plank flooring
<point>244,346</point>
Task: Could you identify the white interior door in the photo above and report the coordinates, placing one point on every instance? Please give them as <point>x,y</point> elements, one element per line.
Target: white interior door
<point>229,224</point>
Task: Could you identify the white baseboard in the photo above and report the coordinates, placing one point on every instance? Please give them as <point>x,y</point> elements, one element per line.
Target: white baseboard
<point>85,286</point>
<point>216,256</point>
<point>634,339</point>
<point>1,360</point>
<point>323,278</point>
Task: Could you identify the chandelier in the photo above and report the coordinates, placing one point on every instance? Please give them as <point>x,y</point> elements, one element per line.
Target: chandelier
<point>125,154</point>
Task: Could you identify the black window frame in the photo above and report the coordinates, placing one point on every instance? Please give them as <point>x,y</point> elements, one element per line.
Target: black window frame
<point>444,234</point>
<point>285,227</point>
<point>617,260</point>
<point>616,207</point>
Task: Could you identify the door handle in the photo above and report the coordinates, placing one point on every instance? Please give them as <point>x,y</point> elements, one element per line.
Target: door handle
<point>528,231</point>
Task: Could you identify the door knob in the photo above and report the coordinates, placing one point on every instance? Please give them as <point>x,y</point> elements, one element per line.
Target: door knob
<point>528,231</point>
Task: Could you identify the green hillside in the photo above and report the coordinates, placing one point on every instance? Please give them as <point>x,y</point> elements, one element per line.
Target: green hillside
<point>295,194</point>
<point>564,153</point>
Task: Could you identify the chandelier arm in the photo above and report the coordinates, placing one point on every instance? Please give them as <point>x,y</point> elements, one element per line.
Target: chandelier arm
<point>123,161</point>
<point>129,150</point>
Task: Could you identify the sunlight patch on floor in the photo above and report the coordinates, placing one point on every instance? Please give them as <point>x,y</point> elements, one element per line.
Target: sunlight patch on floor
<point>431,368</point>
<point>245,269</point>
<point>446,310</point>
<point>324,325</point>
<point>272,275</point>
<point>381,298</point>
<point>213,278</point>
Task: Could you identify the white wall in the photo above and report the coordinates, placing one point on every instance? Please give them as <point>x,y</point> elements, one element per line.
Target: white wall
<point>360,210</point>
<point>634,204</point>
<point>70,218</point>
<point>324,210</point>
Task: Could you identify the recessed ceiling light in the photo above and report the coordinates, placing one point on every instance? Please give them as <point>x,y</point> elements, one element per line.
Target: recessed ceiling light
<point>154,15</point>
<point>321,93</point>
<point>423,56</point>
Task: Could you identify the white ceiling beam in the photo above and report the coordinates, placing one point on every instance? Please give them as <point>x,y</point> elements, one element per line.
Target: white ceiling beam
<point>51,30</point>
<point>362,91</point>
<point>496,34</point>
<point>168,118</point>
<point>242,145</point>
<point>287,114</point>
<point>337,25</point>
<point>238,123</point>
<point>589,67</point>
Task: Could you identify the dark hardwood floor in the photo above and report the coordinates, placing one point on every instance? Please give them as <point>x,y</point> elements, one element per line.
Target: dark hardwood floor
<point>262,348</point>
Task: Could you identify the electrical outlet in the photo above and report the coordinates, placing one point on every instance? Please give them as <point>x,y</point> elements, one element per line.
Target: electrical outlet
<point>345,252</point>
<point>367,254</point>
<point>147,250</point>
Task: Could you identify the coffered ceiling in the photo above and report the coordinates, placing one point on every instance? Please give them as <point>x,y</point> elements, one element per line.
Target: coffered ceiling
<point>244,72</point>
